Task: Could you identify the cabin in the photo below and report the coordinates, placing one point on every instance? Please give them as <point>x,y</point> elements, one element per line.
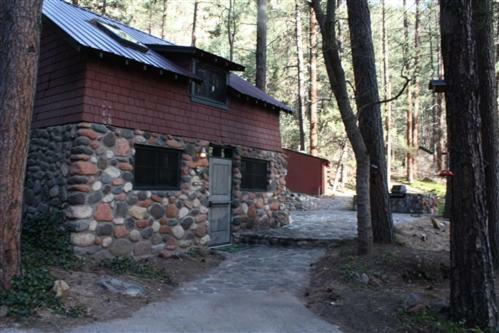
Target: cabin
<point>148,147</point>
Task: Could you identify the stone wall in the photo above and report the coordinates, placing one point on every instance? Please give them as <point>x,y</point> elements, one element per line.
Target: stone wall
<point>88,170</point>
<point>47,169</point>
<point>254,210</point>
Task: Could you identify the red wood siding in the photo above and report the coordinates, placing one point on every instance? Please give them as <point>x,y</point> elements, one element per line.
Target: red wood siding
<point>126,97</point>
<point>306,173</point>
<point>60,85</point>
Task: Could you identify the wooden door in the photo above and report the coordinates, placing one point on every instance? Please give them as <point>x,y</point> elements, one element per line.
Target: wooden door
<point>220,200</point>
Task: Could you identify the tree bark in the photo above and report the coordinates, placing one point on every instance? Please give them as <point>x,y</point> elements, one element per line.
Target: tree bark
<point>313,84</point>
<point>409,156</point>
<point>387,92</point>
<point>231,29</point>
<point>417,89</point>
<point>338,84</point>
<point>472,294</point>
<point>484,29</point>
<point>301,76</point>
<point>194,22</point>
<point>261,45</point>
<point>20,27</point>
<point>370,121</point>
<point>163,18</point>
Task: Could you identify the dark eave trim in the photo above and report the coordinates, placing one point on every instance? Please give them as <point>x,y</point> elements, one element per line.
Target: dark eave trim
<point>198,53</point>
<point>257,101</point>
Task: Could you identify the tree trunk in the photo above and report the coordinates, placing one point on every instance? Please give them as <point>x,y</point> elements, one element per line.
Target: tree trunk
<point>163,18</point>
<point>104,7</point>
<point>231,29</point>
<point>369,112</point>
<point>409,156</point>
<point>20,26</point>
<point>261,45</point>
<point>338,84</point>
<point>301,78</point>
<point>74,2</point>
<point>472,295</point>
<point>417,89</point>
<point>194,22</point>
<point>387,92</point>
<point>313,83</point>
<point>484,29</point>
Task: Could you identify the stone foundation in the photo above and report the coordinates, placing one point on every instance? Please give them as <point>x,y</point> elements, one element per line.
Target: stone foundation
<point>87,170</point>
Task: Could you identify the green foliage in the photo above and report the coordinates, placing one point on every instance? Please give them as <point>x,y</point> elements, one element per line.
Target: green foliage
<point>130,266</point>
<point>44,243</point>
<point>430,322</point>
<point>30,292</point>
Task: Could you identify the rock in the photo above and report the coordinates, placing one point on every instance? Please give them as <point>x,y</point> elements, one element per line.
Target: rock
<point>77,225</point>
<point>138,212</point>
<point>142,248</point>
<point>96,186</point>
<point>157,211</point>
<point>127,187</point>
<point>155,226</point>
<point>171,211</point>
<point>108,198</point>
<point>107,241</point>
<point>121,247</point>
<point>147,233</point>
<point>187,222</point>
<point>83,168</point>
<point>60,288</point>
<point>118,286</point>
<point>109,139</point>
<point>104,229</point>
<point>364,278</point>
<point>122,147</point>
<point>134,235</point>
<point>79,212</point>
<point>178,231</point>
<point>82,239</point>
<point>103,212</point>
<point>183,212</point>
<point>88,133</point>
<point>120,231</point>
<point>113,172</point>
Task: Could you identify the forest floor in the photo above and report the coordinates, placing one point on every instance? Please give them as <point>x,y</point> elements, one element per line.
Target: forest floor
<point>402,287</point>
<point>90,302</point>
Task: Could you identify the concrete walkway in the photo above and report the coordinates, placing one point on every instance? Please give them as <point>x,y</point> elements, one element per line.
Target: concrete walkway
<point>253,290</point>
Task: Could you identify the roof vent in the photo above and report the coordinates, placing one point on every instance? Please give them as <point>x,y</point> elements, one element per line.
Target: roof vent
<point>119,35</point>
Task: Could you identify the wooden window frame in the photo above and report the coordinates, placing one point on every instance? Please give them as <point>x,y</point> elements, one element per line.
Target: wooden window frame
<point>253,188</point>
<point>161,187</point>
<point>206,100</point>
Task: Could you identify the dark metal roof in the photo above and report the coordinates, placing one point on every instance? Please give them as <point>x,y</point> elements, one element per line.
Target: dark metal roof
<point>80,25</point>
<point>194,51</point>
<point>243,87</point>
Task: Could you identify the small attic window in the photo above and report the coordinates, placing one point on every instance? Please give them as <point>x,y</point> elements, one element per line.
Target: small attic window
<point>119,35</point>
<point>213,89</point>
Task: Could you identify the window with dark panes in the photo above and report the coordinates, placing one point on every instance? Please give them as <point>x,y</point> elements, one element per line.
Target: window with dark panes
<point>213,89</point>
<point>254,174</point>
<point>157,168</point>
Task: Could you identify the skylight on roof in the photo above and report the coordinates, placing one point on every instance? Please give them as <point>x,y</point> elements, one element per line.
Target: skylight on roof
<point>121,36</point>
